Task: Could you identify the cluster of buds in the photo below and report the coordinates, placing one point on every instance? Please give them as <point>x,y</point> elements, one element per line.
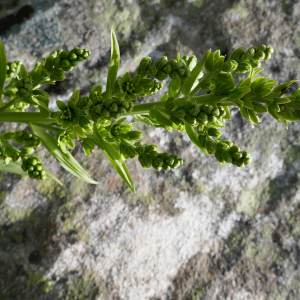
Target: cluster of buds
<point>109,109</point>
<point>61,61</point>
<point>25,87</point>
<point>196,114</point>
<point>12,68</point>
<point>4,156</point>
<point>250,58</point>
<point>172,68</point>
<point>32,165</point>
<point>23,137</point>
<point>224,150</point>
<point>148,156</point>
<point>19,107</point>
<point>119,132</point>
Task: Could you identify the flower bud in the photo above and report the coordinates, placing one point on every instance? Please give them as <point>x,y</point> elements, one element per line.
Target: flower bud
<point>210,145</point>
<point>214,132</point>
<point>237,54</point>
<point>260,55</point>
<point>157,163</point>
<point>202,140</point>
<point>144,65</point>
<point>149,148</point>
<point>243,67</point>
<point>145,161</point>
<point>229,143</point>
<point>227,156</point>
<point>261,48</point>
<point>27,151</point>
<point>134,135</point>
<point>215,112</point>
<point>8,136</point>
<point>236,155</point>
<point>239,163</point>
<point>222,146</point>
<point>234,148</point>
<point>219,157</point>
<point>229,66</point>
<point>211,118</point>
<point>207,85</point>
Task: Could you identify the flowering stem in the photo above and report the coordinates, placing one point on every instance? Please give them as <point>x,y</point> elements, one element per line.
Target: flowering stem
<point>23,117</point>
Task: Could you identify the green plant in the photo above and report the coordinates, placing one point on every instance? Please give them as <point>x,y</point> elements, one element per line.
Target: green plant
<point>98,119</point>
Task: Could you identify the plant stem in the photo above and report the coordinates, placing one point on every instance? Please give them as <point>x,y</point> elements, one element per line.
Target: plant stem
<point>23,117</point>
<point>39,81</point>
<point>10,103</point>
<point>49,127</point>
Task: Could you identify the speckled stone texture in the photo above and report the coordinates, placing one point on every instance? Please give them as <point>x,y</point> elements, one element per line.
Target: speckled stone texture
<point>204,231</point>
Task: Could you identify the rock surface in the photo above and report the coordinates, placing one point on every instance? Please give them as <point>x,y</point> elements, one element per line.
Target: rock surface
<point>203,231</point>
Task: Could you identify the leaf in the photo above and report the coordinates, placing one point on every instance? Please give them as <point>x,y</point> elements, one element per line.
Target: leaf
<point>23,71</point>
<point>173,87</point>
<point>115,159</point>
<point>114,63</point>
<point>193,136</point>
<point>186,87</point>
<point>66,160</point>
<point>2,68</point>
<point>15,167</point>
<point>147,120</point>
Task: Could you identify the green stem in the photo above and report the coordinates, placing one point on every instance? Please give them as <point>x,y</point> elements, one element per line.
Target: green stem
<point>39,81</point>
<point>48,127</point>
<point>23,117</point>
<point>10,103</point>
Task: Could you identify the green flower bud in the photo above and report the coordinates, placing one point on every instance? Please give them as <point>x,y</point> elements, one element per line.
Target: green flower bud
<point>261,48</point>
<point>254,63</point>
<point>145,161</point>
<point>134,135</point>
<point>58,75</point>
<point>211,118</point>
<point>229,66</point>
<point>202,116</point>
<point>245,154</point>
<point>8,136</point>
<point>144,65</point>
<point>166,167</point>
<point>202,140</point>
<point>27,151</point>
<point>214,132</point>
<point>229,143</point>
<point>179,114</point>
<point>167,68</point>
<point>149,148</point>
<point>237,54</point>
<point>222,146</point>
<point>243,67</point>
<point>207,85</point>
<point>130,151</point>
<point>234,148</point>
<point>210,145</point>
<point>227,156</point>
<point>237,155</point>
<point>157,163</point>
<point>239,163</point>
<point>260,55</point>
<point>195,111</point>
<point>215,112</point>
<point>219,157</point>
<point>160,63</point>
<point>161,75</point>
<point>246,161</point>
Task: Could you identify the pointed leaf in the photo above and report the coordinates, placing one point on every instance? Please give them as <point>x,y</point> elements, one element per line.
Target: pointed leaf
<point>15,168</point>
<point>186,88</point>
<point>66,160</point>
<point>115,159</point>
<point>114,63</point>
<point>193,136</point>
<point>2,69</point>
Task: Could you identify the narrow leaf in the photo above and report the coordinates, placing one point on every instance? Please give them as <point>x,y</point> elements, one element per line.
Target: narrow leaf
<point>66,160</point>
<point>186,88</point>
<point>193,136</point>
<point>114,63</point>
<point>2,69</point>
<point>115,159</point>
<point>15,168</point>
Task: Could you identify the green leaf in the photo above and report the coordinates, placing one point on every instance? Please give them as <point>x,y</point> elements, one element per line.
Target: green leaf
<point>147,120</point>
<point>186,87</point>
<point>23,71</point>
<point>173,87</point>
<point>66,160</point>
<point>114,63</point>
<point>2,69</point>
<point>15,167</point>
<point>115,159</point>
<point>193,136</point>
